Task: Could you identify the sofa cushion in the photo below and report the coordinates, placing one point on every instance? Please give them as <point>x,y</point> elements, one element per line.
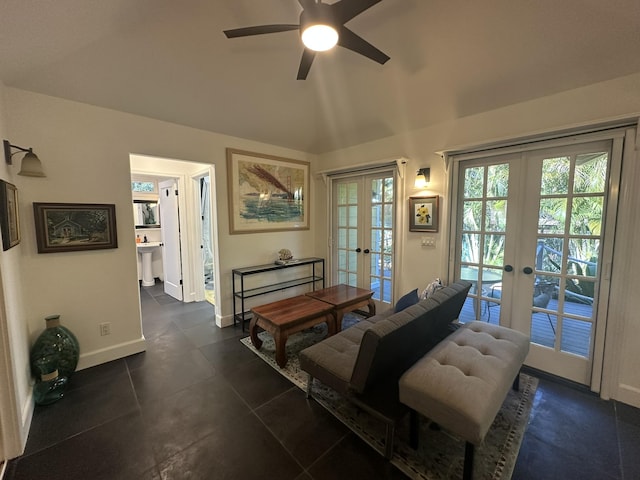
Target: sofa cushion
<point>382,346</point>
<point>462,382</point>
<point>331,361</point>
<point>391,346</point>
<point>407,300</point>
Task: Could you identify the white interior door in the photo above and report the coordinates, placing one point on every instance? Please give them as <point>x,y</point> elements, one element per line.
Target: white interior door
<point>363,208</point>
<point>170,227</point>
<point>531,230</point>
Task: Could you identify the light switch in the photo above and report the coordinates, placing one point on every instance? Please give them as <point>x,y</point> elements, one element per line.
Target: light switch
<point>428,242</point>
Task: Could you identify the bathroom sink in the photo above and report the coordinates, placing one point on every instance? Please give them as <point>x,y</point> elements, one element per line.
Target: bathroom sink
<point>146,251</point>
<point>147,246</point>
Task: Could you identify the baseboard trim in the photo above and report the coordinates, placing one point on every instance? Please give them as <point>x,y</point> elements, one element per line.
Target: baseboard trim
<point>224,321</point>
<point>104,355</point>
<point>629,395</point>
<point>27,416</point>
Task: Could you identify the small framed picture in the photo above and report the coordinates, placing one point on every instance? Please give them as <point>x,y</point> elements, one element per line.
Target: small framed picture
<point>9,215</point>
<point>423,214</point>
<point>66,227</point>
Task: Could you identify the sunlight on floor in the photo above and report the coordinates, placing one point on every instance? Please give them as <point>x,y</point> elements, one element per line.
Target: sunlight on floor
<point>210,296</point>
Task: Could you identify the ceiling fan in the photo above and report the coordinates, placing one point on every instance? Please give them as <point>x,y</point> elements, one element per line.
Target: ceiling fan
<point>322,27</point>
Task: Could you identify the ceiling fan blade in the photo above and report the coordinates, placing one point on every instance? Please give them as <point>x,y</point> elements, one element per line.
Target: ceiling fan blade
<point>305,63</point>
<point>259,30</point>
<point>355,43</point>
<point>345,10</point>
<point>306,3</point>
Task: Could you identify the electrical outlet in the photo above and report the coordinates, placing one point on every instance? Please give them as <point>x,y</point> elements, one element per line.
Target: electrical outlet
<point>105,329</point>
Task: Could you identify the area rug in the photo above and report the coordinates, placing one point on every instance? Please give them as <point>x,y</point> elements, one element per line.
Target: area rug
<point>440,455</point>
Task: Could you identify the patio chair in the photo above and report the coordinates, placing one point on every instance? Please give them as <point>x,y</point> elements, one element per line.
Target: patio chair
<point>541,299</point>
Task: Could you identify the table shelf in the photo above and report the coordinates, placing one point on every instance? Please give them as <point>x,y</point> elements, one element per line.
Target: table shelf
<point>242,293</point>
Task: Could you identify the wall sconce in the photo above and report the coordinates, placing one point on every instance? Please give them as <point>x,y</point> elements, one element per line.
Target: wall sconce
<point>423,177</point>
<point>31,165</point>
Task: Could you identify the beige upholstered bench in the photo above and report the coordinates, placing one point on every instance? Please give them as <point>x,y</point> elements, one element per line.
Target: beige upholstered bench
<point>463,381</point>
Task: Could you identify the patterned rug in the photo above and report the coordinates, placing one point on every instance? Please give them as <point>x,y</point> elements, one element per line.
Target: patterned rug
<point>440,455</point>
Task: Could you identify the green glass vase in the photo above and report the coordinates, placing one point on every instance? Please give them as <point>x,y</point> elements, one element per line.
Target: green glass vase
<point>50,385</point>
<point>56,345</point>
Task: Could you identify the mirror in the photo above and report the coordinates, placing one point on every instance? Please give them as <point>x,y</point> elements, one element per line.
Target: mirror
<point>145,214</point>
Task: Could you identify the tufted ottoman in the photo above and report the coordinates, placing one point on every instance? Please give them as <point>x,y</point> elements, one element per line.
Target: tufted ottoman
<point>462,382</point>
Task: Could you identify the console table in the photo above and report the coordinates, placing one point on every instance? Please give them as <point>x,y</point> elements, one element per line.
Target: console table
<point>241,292</point>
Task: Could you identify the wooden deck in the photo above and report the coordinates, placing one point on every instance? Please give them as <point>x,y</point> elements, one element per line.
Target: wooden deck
<point>576,334</point>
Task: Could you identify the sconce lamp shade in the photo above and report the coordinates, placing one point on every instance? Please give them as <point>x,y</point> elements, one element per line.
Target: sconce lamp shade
<point>31,165</point>
<point>423,177</point>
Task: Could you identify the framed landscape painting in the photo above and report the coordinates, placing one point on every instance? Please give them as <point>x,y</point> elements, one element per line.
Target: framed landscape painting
<point>65,227</point>
<point>423,214</point>
<point>9,224</point>
<point>266,193</point>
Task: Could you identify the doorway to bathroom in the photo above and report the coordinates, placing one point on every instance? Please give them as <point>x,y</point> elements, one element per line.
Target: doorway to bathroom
<point>188,266</point>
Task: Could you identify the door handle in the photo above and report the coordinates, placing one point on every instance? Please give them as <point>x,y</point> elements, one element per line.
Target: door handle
<point>527,270</point>
<point>366,250</point>
<point>508,268</point>
<point>358,250</point>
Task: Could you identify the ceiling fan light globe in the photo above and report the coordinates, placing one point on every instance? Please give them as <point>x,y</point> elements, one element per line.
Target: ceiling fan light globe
<point>320,37</point>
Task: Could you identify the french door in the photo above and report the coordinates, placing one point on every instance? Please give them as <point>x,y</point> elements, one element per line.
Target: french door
<point>362,239</point>
<point>531,231</point>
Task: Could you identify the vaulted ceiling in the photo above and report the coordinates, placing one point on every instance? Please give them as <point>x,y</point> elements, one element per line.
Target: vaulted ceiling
<point>169,60</point>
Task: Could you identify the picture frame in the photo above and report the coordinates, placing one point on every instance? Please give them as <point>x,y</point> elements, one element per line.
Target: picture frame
<point>67,227</point>
<point>9,221</point>
<point>266,193</point>
<point>424,214</point>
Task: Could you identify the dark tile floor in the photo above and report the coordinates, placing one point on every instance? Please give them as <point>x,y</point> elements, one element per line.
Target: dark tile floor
<point>199,405</point>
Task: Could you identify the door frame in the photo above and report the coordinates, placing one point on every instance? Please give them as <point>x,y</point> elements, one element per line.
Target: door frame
<point>11,444</point>
<point>617,136</point>
<point>197,265</point>
<point>186,221</point>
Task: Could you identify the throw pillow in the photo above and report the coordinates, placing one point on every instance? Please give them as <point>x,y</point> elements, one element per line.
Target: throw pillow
<point>431,289</point>
<point>407,300</point>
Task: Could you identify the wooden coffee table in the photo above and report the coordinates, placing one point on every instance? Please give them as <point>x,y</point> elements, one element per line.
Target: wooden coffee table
<point>286,317</point>
<point>345,298</point>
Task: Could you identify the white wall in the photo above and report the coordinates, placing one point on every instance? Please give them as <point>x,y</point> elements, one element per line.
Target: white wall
<point>619,98</point>
<point>15,378</point>
<point>85,153</point>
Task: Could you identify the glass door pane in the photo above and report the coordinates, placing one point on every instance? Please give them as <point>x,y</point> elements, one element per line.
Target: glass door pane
<point>381,246</point>
<point>570,221</point>
<point>346,232</point>
<point>483,213</point>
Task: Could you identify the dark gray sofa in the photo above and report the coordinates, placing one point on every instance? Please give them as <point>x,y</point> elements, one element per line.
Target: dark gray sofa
<point>365,362</point>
